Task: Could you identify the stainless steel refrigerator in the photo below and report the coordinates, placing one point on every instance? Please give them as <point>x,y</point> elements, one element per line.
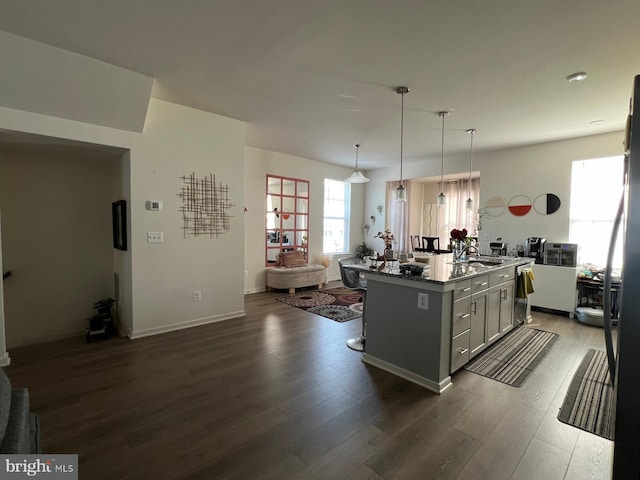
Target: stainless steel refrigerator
<point>624,357</point>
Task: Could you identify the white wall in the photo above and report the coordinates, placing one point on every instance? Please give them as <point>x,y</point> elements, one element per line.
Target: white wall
<point>56,228</point>
<point>179,141</point>
<point>258,163</point>
<point>535,170</point>
<point>122,259</point>
<point>530,171</point>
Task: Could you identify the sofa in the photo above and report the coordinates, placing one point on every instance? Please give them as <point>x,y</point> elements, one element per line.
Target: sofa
<point>19,429</point>
<point>292,271</point>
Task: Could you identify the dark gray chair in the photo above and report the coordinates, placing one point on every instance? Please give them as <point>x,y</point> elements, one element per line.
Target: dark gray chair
<point>352,279</point>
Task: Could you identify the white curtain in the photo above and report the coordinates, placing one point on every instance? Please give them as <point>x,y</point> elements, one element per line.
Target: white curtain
<point>397,217</point>
<point>455,214</point>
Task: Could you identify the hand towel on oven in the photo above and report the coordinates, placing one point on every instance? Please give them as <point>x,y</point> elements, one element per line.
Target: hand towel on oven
<point>524,285</point>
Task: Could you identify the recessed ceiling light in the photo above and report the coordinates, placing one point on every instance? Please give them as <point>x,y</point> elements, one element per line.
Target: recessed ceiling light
<point>594,123</point>
<point>344,95</point>
<point>577,77</point>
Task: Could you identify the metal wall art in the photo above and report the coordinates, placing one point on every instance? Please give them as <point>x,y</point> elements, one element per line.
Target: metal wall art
<point>205,206</point>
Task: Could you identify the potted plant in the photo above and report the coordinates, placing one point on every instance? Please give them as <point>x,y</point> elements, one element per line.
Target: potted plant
<point>102,321</point>
<point>364,250</point>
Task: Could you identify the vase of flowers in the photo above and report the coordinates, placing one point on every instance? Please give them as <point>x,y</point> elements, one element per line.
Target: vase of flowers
<point>460,242</point>
<point>388,239</point>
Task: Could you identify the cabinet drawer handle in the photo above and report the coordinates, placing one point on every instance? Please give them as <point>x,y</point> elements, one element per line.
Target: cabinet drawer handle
<point>481,284</point>
<point>465,289</point>
<point>465,315</point>
<point>505,276</point>
<point>462,352</point>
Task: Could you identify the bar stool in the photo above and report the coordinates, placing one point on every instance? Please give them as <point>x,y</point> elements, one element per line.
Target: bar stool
<point>351,279</point>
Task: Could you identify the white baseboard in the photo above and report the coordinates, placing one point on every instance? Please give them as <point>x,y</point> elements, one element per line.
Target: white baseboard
<point>187,324</point>
<point>5,360</point>
<point>407,375</point>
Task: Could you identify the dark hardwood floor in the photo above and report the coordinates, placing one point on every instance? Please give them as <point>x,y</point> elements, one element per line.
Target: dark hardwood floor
<point>278,395</point>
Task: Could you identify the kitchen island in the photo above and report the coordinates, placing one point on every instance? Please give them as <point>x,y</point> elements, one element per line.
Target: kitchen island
<point>426,326</point>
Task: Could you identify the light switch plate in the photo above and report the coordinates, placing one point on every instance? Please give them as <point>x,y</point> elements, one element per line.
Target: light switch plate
<point>153,205</point>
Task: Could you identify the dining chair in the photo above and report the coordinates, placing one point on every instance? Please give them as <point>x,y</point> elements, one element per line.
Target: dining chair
<point>416,243</point>
<point>431,244</point>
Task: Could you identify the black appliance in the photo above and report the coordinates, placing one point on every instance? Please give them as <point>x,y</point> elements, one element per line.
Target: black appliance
<point>535,248</point>
<point>624,362</point>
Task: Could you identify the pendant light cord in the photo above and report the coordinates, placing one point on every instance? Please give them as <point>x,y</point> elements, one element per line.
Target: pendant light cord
<point>442,114</point>
<point>471,131</point>
<point>401,133</point>
<point>401,91</point>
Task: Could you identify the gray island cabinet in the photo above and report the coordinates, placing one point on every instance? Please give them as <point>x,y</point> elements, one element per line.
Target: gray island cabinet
<point>424,328</point>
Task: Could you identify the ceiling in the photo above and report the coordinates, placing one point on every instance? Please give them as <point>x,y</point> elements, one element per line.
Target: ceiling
<point>313,77</point>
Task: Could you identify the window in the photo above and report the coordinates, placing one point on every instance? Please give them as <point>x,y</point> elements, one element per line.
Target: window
<point>455,214</point>
<point>596,188</point>
<point>439,221</point>
<point>287,216</point>
<point>336,216</point>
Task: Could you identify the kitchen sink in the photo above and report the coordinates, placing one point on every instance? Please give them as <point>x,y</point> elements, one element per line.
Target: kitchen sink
<point>479,262</point>
<point>484,263</point>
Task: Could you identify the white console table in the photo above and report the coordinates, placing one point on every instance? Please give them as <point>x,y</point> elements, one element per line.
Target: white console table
<point>555,287</point>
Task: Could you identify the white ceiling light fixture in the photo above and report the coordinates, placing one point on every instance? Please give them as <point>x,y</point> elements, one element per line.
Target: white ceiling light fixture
<point>442,198</point>
<point>401,191</point>
<point>576,77</point>
<point>469,202</point>
<point>357,176</point>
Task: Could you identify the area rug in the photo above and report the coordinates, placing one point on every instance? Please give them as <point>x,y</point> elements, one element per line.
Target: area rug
<point>339,304</point>
<point>513,358</point>
<point>588,403</point>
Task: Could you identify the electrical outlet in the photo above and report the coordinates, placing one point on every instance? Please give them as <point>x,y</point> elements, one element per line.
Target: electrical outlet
<point>155,237</point>
<point>423,301</point>
<point>197,295</point>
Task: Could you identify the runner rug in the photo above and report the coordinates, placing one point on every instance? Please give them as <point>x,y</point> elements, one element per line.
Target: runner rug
<point>339,304</point>
<point>588,403</point>
<point>512,359</point>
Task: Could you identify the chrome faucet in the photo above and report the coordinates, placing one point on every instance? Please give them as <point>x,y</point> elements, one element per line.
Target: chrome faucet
<point>468,249</point>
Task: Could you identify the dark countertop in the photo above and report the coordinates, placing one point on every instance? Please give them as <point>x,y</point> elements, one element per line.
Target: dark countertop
<point>442,269</point>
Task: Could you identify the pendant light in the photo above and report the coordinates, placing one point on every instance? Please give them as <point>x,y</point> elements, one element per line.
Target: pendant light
<point>401,191</point>
<point>469,202</point>
<point>442,199</point>
<point>356,176</point>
